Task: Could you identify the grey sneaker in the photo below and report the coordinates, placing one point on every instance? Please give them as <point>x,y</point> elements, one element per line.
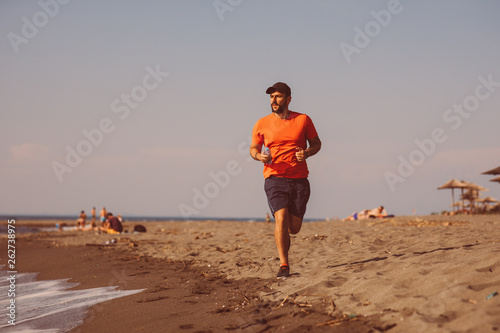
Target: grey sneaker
<point>284,271</point>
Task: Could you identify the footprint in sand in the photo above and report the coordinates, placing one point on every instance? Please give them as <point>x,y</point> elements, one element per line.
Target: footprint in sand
<point>482,286</point>
<point>335,282</point>
<point>424,272</point>
<point>488,269</point>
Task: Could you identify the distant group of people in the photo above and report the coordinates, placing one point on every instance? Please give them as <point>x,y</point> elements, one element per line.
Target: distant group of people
<point>374,213</point>
<point>108,222</point>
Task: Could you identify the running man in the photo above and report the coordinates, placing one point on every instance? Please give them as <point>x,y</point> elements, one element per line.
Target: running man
<point>286,133</point>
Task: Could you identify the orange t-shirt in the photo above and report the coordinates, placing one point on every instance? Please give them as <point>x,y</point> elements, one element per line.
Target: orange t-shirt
<point>282,136</point>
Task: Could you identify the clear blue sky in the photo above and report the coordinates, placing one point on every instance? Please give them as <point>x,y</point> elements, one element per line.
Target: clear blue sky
<point>158,100</point>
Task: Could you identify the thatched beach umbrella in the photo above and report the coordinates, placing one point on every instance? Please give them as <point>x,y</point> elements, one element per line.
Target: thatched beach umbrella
<point>495,180</point>
<point>453,184</point>
<point>486,201</point>
<point>473,193</point>
<point>495,208</point>
<point>494,172</point>
<point>476,187</point>
<point>489,200</point>
<point>469,195</point>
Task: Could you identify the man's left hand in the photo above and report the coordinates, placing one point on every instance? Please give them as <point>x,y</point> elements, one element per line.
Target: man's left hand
<point>301,154</point>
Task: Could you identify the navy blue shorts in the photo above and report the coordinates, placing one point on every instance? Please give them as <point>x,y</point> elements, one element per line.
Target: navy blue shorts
<point>288,192</point>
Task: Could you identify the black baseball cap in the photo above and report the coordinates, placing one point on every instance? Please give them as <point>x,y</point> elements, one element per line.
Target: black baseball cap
<point>280,87</point>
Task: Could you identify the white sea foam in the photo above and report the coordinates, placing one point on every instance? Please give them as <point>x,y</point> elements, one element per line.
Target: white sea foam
<point>48,306</point>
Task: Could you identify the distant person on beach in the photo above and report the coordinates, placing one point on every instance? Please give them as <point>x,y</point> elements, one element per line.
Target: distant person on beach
<point>92,222</point>
<point>362,215</point>
<point>112,225</point>
<point>102,216</point>
<point>374,213</point>
<point>80,223</point>
<point>285,135</point>
<point>268,218</point>
<point>378,212</point>
<point>60,226</point>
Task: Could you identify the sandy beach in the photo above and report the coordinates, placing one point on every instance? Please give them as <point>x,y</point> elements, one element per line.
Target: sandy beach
<point>404,274</point>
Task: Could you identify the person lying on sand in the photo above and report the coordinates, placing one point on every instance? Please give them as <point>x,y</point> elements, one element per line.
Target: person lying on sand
<point>362,215</point>
<point>378,212</point>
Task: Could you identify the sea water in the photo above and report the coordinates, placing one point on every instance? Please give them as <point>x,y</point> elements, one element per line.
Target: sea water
<point>48,306</point>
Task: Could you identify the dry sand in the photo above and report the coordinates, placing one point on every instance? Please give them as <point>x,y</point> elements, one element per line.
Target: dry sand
<point>406,274</point>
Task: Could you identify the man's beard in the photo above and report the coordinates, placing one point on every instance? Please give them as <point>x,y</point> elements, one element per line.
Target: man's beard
<point>280,110</point>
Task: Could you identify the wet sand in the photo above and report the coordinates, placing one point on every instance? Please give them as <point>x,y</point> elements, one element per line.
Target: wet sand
<point>406,274</point>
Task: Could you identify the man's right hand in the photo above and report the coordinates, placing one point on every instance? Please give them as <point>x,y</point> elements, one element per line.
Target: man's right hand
<point>264,158</point>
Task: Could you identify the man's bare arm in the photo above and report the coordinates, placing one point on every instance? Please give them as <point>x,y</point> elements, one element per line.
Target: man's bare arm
<point>314,146</point>
<point>255,150</point>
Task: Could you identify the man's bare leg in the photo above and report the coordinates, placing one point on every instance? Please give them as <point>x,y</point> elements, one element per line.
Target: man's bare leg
<point>281,234</point>
<point>286,224</point>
